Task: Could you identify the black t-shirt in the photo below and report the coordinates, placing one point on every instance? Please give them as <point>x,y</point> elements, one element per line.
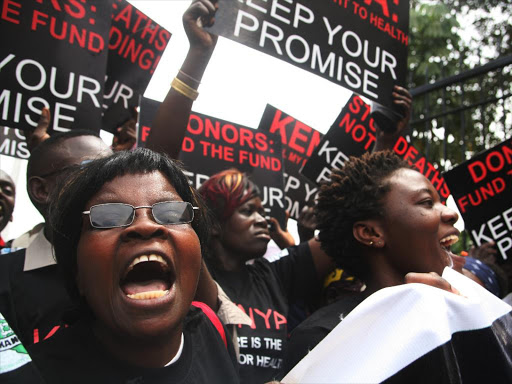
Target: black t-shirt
<point>313,330</point>
<point>75,355</point>
<point>33,302</point>
<point>264,290</point>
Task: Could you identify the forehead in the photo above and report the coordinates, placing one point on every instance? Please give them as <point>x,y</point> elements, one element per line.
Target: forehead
<point>5,178</point>
<point>408,182</point>
<point>132,188</point>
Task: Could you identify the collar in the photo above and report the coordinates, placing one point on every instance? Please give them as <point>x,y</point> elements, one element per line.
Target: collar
<point>229,312</point>
<point>39,253</point>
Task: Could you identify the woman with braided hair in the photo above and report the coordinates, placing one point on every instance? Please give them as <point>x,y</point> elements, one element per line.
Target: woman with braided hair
<point>263,289</point>
<point>383,222</point>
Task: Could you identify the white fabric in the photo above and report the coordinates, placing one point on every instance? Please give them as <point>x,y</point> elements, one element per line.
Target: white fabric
<point>178,354</point>
<point>39,253</point>
<point>394,327</point>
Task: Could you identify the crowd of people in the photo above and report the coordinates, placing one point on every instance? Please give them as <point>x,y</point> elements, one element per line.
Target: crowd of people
<point>136,277</point>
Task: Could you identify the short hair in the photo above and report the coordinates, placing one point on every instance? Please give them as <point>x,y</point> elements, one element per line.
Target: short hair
<point>225,191</point>
<point>354,192</point>
<point>41,151</point>
<point>69,200</point>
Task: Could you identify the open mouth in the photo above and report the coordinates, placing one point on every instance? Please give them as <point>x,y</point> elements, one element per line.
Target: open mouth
<point>147,277</point>
<point>448,241</point>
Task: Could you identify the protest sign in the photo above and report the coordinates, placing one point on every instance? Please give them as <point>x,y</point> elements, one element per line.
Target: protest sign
<point>135,47</point>
<point>212,145</point>
<point>482,189</point>
<point>55,57</point>
<point>352,134</point>
<point>298,141</point>
<point>358,44</point>
<point>13,143</point>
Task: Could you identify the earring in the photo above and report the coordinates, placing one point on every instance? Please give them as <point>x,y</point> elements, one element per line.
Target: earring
<point>370,243</point>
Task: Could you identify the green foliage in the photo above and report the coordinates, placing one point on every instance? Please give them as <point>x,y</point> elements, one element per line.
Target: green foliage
<point>440,47</point>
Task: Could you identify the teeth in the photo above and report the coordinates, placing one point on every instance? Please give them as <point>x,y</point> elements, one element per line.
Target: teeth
<point>148,295</point>
<point>449,240</point>
<point>144,258</point>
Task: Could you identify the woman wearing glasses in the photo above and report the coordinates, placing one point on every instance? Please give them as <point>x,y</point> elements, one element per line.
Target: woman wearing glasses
<point>128,236</point>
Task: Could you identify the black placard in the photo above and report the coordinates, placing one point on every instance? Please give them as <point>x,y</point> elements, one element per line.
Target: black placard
<point>482,189</point>
<point>13,143</point>
<point>136,45</point>
<point>359,44</point>
<point>53,54</point>
<point>352,134</point>
<point>299,141</point>
<point>212,145</point>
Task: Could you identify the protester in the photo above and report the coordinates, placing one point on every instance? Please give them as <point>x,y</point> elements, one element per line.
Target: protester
<point>7,198</point>
<point>263,289</point>
<point>131,258</point>
<point>379,220</point>
<point>29,276</point>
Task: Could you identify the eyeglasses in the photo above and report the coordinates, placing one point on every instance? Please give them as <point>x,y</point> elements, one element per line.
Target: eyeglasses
<point>115,215</point>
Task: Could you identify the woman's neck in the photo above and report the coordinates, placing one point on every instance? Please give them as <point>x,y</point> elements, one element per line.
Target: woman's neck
<point>154,353</point>
<point>382,274</point>
<point>226,260</point>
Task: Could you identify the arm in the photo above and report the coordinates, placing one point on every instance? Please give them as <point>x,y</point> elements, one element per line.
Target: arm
<point>383,140</point>
<point>281,236</point>
<point>171,120</point>
<point>40,133</point>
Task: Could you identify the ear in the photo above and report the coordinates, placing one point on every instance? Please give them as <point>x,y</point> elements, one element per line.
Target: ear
<point>369,232</point>
<point>38,189</point>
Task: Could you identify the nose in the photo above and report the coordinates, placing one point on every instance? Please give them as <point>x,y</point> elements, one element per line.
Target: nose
<point>449,215</point>
<point>144,226</point>
<point>260,220</point>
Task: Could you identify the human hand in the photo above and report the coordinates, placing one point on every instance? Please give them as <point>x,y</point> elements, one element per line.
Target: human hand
<point>387,139</point>
<point>486,252</point>
<point>281,236</point>
<point>40,133</point>
<point>125,136</point>
<point>200,13</point>
<point>432,279</point>
<point>306,223</point>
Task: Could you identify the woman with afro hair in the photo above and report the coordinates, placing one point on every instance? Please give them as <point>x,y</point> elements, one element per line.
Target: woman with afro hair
<point>383,222</point>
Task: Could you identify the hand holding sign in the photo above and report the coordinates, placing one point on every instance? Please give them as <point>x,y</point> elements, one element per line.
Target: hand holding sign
<point>40,133</point>
<point>386,139</point>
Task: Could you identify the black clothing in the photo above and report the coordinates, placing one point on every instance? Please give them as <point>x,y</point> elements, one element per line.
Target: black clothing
<point>313,330</point>
<point>33,302</point>
<point>264,291</point>
<point>75,355</point>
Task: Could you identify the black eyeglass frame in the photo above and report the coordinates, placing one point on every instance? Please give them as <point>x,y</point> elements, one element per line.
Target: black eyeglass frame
<point>139,207</point>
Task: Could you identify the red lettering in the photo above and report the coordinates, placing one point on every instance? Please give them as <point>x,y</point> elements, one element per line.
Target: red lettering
<point>355,105</point>
<point>298,135</point>
<point>188,145</point>
<point>145,133</point>
<point>79,10</point>
<point>125,16</point>
<point>246,136</point>
<point>411,153</point>
<point>382,3</point>
<point>140,17</point>
<point>499,184</point>
<point>420,165</point>
<point>359,137</point>
<point>461,203</point>
<point>265,316</point>
<point>401,146</point>
<point>278,124</point>
<point>490,165</point>
<point>225,130</point>
<point>279,319</point>
<point>146,58</point>
<point>163,39</point>
<point>346,121</point>
<point>196,120</point>
<point>211,130</point>
<point>36,20</point>
<point>150,29</point>
<point>261,142</point>
<point>472,168</point>
<point>8,9</point>
<point>313,143</point>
